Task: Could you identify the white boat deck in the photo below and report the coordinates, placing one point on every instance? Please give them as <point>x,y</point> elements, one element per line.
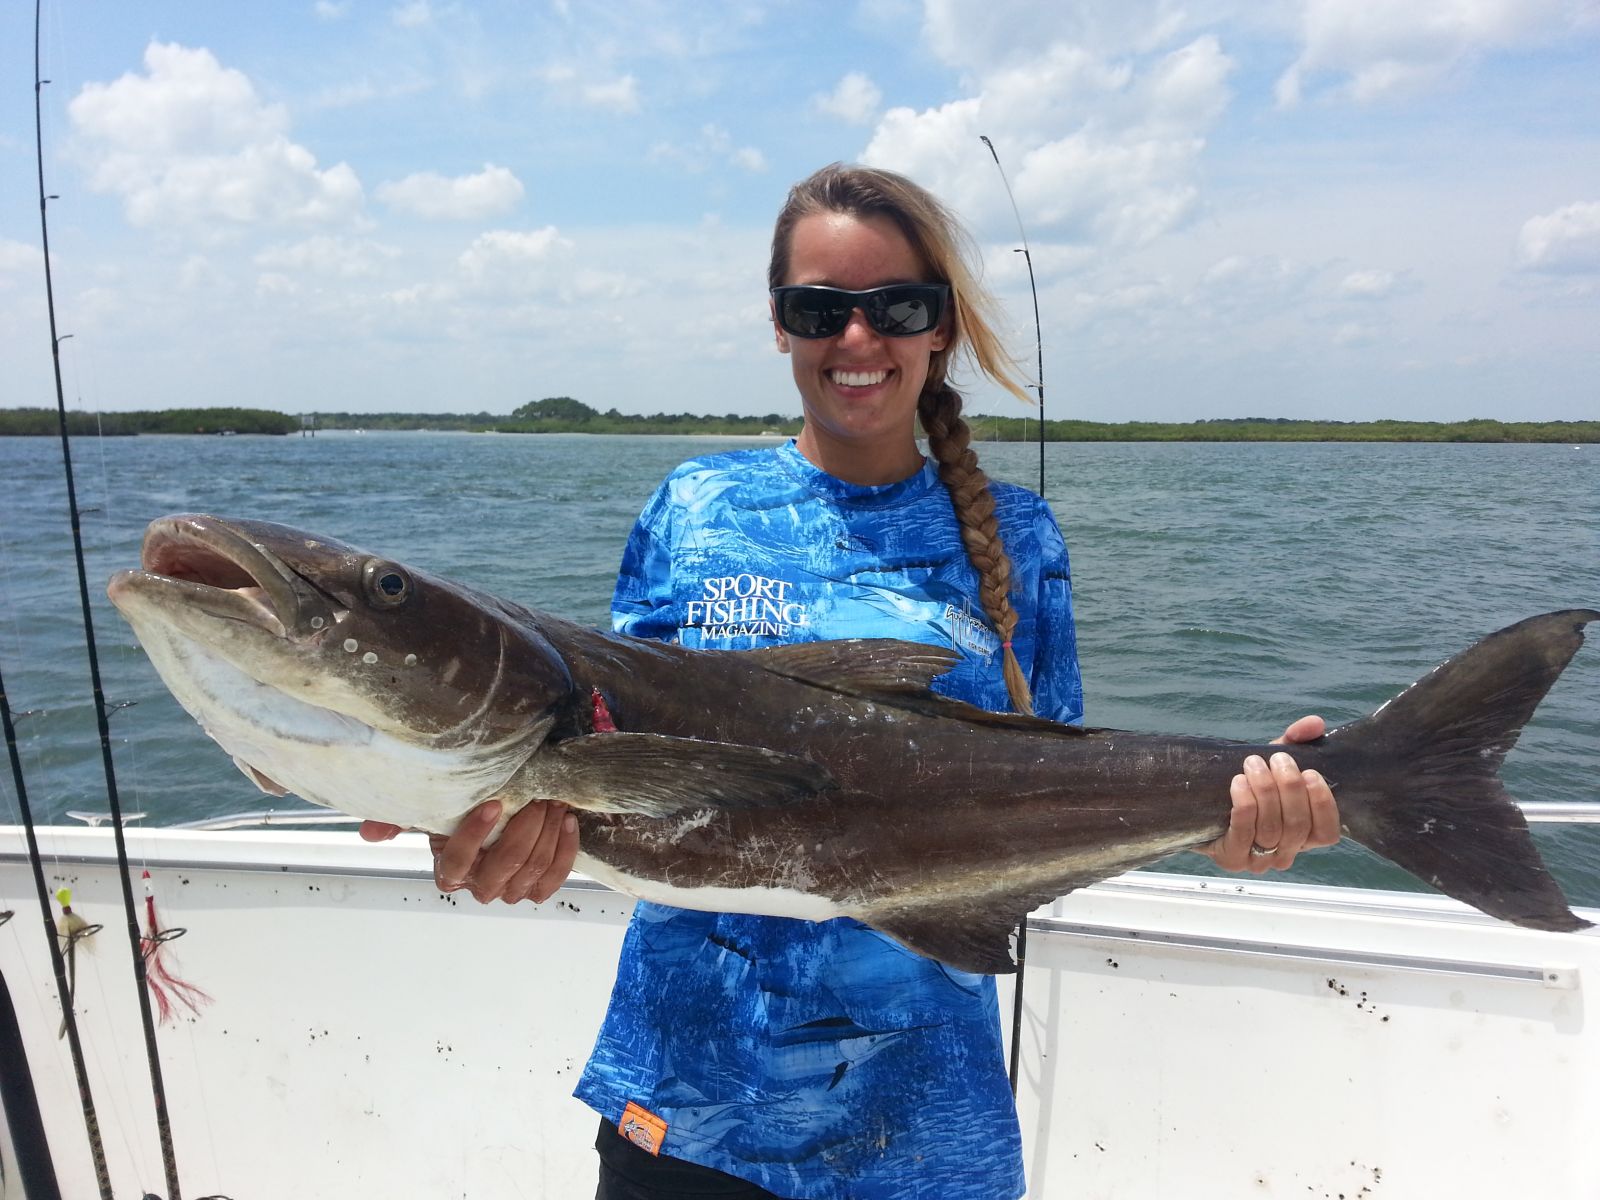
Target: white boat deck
<point>1184,1038</point>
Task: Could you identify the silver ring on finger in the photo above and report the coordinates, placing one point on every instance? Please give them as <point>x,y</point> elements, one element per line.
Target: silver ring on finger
<point>1262,851</point>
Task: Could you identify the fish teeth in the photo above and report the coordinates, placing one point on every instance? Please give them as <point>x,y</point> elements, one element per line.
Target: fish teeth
<point>858,378</point>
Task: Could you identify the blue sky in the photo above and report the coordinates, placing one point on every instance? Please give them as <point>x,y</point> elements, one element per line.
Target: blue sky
<point>1318,208</point>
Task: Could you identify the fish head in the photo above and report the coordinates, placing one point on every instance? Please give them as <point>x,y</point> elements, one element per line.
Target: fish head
<point>270,634</point>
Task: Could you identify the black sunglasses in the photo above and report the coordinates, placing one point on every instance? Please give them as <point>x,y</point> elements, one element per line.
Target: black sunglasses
<point>895,310</point>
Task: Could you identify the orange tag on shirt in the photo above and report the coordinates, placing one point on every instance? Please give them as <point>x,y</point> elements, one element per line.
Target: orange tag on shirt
<point>642,1127</point>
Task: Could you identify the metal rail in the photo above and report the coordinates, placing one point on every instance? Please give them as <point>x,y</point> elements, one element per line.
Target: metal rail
<point>1537,812</point>
<point>1546,976</point>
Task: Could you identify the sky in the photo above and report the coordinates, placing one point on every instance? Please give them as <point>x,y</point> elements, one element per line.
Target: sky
<point>1329,209</point>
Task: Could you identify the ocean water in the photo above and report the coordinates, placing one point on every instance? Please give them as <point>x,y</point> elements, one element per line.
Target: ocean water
<point>1219,589</point>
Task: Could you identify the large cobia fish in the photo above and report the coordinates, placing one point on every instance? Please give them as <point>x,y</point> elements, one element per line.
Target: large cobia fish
<point>816,780</point>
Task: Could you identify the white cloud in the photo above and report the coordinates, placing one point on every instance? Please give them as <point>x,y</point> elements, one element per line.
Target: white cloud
<point>1381,50</point>
<point>198,273</point>
<point>506,255</point>
<point>273,284</point>
<point>413,15</point>
<point>619,95</point>
<point>18,256</point>
<point>1097,150</point>
<point>855,99</point>
<point>190,141</point>
<point>323,255</point>
<point>983,34</point>
<point>327,10</point>
<point>1353,333</point>
<point>1367,285</point>
<point>715,144</point>
<point>363,91</point>
<point>492,191</point>
<point>1567,240</point>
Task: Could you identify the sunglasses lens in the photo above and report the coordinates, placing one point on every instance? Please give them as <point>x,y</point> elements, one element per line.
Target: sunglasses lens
<point>904,312</point>
<point>813,313</point>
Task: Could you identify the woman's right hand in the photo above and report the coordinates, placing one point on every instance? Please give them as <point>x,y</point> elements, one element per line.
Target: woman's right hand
<point>530,861</point>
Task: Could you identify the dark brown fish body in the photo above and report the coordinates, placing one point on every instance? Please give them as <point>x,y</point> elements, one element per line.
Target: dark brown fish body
<point>947,823</point>
<point>817,780</point>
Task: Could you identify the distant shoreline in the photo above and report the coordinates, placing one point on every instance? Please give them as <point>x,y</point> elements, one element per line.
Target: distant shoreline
<point>23,422</point>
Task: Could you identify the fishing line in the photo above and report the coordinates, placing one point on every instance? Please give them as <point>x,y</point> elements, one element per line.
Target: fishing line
<point>58,964</point>
<point>1038,334</point>
<point>157,1087</point>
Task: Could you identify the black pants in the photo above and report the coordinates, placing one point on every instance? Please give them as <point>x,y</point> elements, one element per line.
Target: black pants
<point>629,1173</point>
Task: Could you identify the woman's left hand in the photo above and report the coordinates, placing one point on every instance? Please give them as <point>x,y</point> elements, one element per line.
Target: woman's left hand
<point>1278,810</point>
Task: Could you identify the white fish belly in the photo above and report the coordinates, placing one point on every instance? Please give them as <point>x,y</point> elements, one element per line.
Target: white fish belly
<point>758,901</point>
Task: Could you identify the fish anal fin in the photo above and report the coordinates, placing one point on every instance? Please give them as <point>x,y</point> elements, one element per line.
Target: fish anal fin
<point>653,775</point>
<point>973,936</point>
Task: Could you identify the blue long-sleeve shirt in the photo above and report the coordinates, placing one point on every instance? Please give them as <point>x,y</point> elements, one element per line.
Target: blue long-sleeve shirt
<point>822,1059</point>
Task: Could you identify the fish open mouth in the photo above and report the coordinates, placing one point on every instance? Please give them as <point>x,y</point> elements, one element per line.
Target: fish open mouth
<point>202,562</point>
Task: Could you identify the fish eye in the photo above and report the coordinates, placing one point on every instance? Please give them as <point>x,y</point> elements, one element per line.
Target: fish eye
<point>387,583</point>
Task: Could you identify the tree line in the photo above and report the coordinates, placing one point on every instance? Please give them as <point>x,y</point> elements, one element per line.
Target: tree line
<point>1284,429</point>
<point>563,414</point>
<point>40,422</point>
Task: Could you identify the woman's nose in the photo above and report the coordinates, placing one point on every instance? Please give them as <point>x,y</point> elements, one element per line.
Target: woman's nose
<point>858,328</point>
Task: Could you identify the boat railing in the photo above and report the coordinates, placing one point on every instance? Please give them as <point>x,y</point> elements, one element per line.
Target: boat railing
<point>1542,812</point>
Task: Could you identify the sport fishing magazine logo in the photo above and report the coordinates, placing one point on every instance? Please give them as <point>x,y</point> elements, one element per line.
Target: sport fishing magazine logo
<point>747,605</point>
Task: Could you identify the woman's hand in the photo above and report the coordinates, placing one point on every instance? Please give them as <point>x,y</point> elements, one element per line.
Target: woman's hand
<point>1278,810</point>
<point>530,861</point>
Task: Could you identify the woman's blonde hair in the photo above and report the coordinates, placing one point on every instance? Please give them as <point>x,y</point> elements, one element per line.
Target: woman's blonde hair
<point>945,249</point>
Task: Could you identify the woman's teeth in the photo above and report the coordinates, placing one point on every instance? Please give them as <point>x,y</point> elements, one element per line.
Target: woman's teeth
<point>858,378</point>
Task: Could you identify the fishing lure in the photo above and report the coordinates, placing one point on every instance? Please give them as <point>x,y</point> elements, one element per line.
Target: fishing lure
<point>71,929</point>
<point>166,988</point>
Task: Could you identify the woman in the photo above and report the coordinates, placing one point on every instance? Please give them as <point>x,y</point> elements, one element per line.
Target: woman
<point>758,1056</point>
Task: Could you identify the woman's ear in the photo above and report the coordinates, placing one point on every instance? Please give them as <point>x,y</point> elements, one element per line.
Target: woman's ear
<point>778,335</point>
<point>941,335</point>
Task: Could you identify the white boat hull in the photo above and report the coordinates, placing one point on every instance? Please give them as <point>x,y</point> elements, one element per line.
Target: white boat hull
<point>1184,1038</point>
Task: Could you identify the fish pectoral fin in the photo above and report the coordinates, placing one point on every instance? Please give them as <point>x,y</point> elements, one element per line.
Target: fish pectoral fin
<point>270,786</point>
<point>653,775</point>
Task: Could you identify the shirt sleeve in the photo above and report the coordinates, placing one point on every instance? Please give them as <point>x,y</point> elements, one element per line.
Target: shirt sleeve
<point>1056,682</point>
<point>643,604</point>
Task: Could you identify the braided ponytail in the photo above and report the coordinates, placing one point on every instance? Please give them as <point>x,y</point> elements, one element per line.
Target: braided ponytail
<point>949,438</point>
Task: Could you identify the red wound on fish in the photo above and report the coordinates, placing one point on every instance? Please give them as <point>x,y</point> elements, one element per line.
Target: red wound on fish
<point>602,715</point>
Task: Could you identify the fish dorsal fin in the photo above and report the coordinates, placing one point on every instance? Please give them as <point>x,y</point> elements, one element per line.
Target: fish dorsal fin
<point>896,672</point>
<point>869,667</point>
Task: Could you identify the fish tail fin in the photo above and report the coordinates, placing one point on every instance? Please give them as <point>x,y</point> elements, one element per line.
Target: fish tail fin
<point>1438,809</point>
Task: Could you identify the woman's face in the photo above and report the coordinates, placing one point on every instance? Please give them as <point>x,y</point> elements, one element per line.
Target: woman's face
<point>859,389</point>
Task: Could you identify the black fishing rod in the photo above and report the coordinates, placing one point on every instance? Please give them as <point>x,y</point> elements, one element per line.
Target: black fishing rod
<point>135,943</point>
<point>40,1177</point>
<point>1038,336</point>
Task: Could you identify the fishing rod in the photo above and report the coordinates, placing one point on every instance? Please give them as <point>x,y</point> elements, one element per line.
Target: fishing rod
<point>1038,329</point>
<point>40,1177</point>
<point>1038,336</point>
<point>157,1087</point>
